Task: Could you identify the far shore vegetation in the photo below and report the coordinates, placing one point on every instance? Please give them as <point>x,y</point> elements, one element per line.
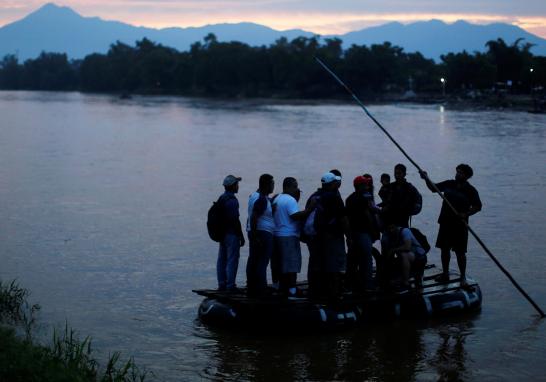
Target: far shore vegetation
<point>285,70</point>
<point>65,358</point>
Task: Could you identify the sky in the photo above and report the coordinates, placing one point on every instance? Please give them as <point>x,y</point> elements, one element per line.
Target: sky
<point>318,16</point>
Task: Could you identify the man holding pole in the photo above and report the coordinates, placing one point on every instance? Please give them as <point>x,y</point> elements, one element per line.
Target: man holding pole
<point>453,232</point>
<point>424,175</point>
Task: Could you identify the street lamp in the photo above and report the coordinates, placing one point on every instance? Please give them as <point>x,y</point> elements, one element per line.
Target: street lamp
<point>531,70</point>
<point>443,81</point>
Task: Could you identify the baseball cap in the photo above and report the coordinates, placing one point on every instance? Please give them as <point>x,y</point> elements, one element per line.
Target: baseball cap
<point>329,178</point>
<point>230,180</point>
<point>359,180</point>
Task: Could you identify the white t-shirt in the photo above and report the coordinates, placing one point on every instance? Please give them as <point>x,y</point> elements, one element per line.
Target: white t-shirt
<point>286,205</point>
<point>265,221</point>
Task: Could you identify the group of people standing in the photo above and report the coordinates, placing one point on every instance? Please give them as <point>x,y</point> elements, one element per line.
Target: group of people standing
<point>339,234</point>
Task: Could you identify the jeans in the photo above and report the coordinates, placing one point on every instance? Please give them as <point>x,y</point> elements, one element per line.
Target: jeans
<point>314,268</point>
<point>260,250</point>
<point>362,252</point>
<point>228,261</point>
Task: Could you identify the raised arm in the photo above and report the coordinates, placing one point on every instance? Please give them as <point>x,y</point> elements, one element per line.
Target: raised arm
<point>428,182</point>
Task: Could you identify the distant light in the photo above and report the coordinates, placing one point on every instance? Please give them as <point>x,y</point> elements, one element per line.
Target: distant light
<point>531,70</point>
<point>442,80</point>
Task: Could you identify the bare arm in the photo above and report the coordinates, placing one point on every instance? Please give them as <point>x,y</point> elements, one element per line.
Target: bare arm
<point>428,182</point>
<point>476,204</point>
<point>302,215</point>
<point>259,208</point>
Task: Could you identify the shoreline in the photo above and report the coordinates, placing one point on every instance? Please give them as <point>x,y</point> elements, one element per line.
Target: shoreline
<point>461,102</point>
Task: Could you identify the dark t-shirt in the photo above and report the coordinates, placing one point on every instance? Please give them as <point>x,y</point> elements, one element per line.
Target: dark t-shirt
<point>401,203</point>
<point>462,196</point>
<point>231,213</point>
<point>332,211</point>
<point>385,194</point>
<point>358,211</point>
<point>402,198</point>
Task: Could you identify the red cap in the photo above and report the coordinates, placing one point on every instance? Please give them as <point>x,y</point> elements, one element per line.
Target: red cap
<point>359,180</point>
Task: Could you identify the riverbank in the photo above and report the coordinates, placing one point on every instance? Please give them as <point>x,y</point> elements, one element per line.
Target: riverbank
<point>66,358</point>
<point>479,101</point>
<point>472,100</point>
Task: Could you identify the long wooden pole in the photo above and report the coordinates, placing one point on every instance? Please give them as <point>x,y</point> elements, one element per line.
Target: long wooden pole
<point>353,95</point>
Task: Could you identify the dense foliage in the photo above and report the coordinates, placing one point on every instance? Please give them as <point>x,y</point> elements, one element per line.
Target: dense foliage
<point>283,69</point>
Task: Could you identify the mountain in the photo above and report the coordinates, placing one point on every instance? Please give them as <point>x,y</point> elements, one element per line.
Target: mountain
<point>59,29</point>
<point>434,38</point>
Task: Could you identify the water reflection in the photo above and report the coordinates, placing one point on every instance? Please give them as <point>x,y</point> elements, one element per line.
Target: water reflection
<point>450,358</point>
<point>395,351</point>
<point>391,352</point>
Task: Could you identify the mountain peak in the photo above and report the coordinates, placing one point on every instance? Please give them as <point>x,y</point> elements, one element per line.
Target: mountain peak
<point>52,10</point>
<point>461,22</point>
<point>47,6</point>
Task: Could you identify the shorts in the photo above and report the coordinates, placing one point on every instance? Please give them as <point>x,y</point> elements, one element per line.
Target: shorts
<point>453,237</point>
<point>289,251</point>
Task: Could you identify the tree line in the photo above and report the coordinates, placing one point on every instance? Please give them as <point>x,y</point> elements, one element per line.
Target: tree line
<point>284,69</point>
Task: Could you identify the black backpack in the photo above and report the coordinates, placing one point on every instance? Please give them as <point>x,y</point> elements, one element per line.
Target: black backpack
<point>417,202</point>
<point>216,225</point>
<point>421,238</point>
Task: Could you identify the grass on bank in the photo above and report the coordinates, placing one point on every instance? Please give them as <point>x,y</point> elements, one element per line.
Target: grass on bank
<point>67,358</point>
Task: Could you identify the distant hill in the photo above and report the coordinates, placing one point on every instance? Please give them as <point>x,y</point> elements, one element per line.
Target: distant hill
<point>434,38</point>
<point>59,29</point>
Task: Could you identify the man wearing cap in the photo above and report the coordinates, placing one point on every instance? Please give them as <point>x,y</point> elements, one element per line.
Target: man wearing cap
<point>337,173</point>
<point>329,261</point>
<point>363,230</point>
<point>229,251</point>
<point>453,232</point>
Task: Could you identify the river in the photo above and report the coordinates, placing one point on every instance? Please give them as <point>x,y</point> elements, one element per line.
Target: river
<point>102,216</point>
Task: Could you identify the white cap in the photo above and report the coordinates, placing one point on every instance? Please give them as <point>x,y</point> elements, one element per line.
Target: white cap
<point>329,178</point>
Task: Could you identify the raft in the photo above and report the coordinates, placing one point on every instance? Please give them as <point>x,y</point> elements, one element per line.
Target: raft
<point>236,309</point>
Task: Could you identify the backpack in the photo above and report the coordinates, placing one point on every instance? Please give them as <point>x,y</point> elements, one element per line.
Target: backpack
<point>216,220</point>
<point>417,202</point>
<point>421,238</point>
<point>311,225</point>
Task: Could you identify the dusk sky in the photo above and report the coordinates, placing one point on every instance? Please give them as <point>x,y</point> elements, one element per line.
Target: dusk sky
<point>319,16</point>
